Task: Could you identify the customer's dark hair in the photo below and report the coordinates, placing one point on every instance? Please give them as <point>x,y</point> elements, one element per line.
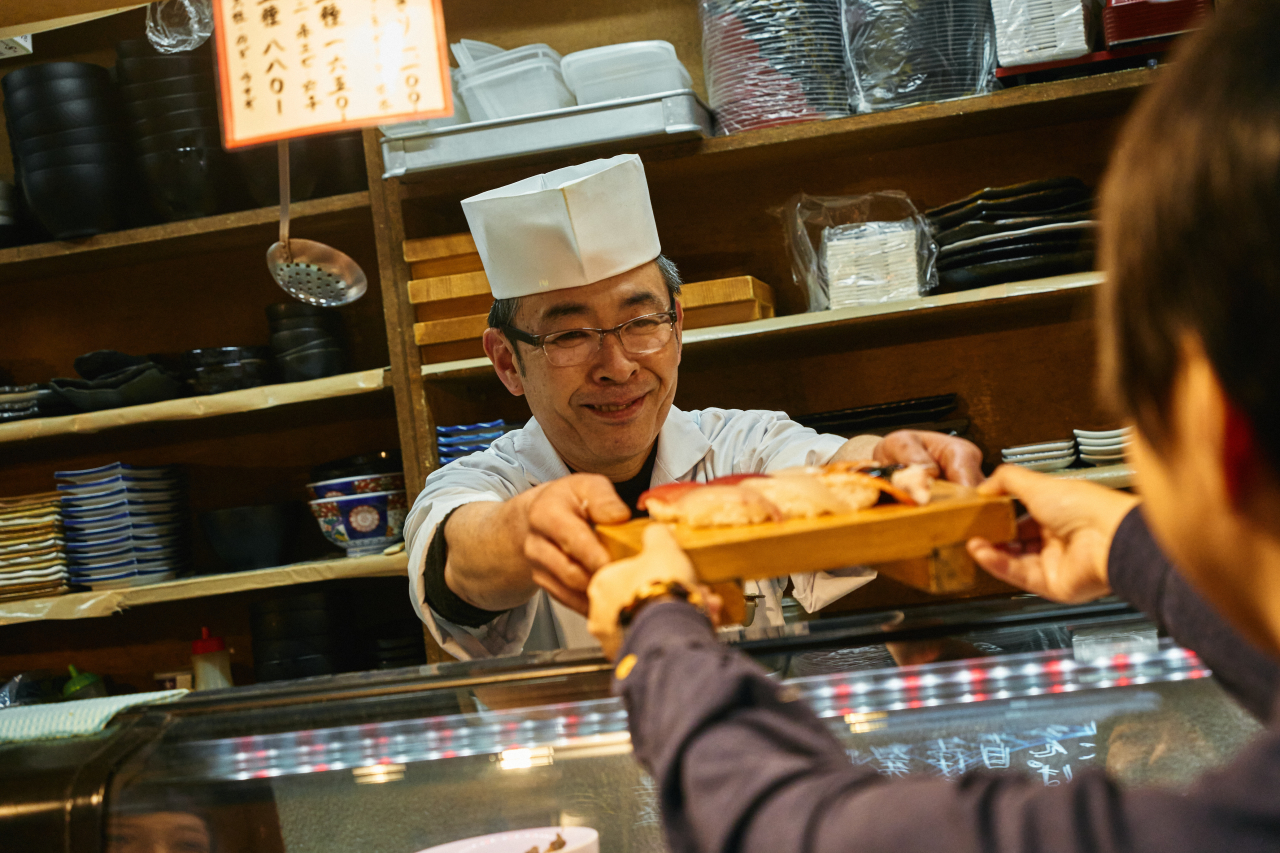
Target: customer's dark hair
<point>503,311</point>
<point>1191,227</point>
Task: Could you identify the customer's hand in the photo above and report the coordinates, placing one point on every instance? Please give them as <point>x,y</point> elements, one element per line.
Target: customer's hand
<point>949,456</point>
<point>617,584</point>
<point>1062,547</point>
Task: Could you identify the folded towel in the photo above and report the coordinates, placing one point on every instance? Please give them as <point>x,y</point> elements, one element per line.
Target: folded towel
<point>74,718</point>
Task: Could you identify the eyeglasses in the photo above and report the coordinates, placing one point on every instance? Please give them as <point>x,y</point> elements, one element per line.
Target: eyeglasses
<point>645,334</point>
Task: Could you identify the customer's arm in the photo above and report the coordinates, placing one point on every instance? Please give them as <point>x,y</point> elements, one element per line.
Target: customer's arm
<point>1084,541</point>
<point>740,766</point>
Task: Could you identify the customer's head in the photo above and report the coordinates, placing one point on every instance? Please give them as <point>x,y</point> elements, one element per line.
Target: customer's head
<point>1191,309</point>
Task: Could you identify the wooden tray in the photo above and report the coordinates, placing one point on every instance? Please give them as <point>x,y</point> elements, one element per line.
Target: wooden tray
<point>912,544</point>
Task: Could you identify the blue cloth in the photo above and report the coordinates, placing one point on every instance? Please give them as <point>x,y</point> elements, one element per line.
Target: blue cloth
<point>741,768</point>
<point>74,718</point>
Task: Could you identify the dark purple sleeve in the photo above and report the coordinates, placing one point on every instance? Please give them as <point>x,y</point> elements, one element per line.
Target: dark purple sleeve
<point>741,769</point>
<point>1143,576</point>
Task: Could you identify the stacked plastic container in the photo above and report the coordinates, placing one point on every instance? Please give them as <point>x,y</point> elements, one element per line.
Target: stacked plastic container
<point>771,63</point>
<point>124,526</point>
<point>495,83</point>
<point>617,71</point>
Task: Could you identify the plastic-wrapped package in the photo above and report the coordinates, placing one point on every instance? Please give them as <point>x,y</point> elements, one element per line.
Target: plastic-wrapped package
<point>1030,31</point>
<point>773,62</point>
<point>904,52</point>
<point>177,25</point>
<point>858,250</point>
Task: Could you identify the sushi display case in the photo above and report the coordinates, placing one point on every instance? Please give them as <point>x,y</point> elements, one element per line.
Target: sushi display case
<point>404,760</point>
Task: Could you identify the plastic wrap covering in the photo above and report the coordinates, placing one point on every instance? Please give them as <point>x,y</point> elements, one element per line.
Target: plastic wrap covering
<point>908,51</point>
<point>859,250</point>
<point>773,62</point>
<point>177,25</point>
<point>1030,31</point>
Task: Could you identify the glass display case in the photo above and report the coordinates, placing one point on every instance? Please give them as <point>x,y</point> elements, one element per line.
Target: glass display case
<point>402,761</point>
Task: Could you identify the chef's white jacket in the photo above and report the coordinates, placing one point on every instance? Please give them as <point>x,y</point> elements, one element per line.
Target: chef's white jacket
<point>692,446</point>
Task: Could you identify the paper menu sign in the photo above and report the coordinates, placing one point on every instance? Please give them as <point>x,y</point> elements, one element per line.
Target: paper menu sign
<point>291,68</point>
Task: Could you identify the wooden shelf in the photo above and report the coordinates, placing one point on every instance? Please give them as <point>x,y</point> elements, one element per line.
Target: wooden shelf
<point>1016,108</point>
<point>86,605</point>
<point>175,239</point>
<point>190,408</point>
<point>976,299</point>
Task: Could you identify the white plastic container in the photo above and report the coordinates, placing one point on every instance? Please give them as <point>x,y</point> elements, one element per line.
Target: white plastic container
<point>506,58</point>
<point>516,90</point>
<point>467,51</point>
<point>629,70</point>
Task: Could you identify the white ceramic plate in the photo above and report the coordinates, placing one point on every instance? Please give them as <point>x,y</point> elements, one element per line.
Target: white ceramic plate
<point>1043,447</point>
<point>578,839</point>
<point>1049,464</point>
<point>1094,452</point>
<point>1123,432</point>
<point>1103,442</point>
<point>1040,457</point>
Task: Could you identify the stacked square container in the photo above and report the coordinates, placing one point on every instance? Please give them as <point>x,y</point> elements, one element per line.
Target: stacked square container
<point>124,525</point>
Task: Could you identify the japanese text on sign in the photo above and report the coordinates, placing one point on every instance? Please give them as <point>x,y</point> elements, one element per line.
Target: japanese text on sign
<point>296,67</point>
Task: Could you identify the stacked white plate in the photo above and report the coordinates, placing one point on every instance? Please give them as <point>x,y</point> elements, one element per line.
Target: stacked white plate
<point>869,263</point>
<point>1103,448</point>
<point>1042,456</point>
<point>124,526</point>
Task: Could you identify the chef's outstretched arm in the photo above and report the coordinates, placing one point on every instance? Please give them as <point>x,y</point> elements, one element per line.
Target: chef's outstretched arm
<point>741,765</point>
<point>501,553</point>
<point>950,456</point>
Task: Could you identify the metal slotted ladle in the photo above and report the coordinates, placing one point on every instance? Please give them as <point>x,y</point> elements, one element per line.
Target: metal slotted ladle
<point>308,271</point>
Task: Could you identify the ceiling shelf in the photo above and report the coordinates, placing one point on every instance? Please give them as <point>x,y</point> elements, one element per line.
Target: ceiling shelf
<point>86,605</point>
<point>191,408</point>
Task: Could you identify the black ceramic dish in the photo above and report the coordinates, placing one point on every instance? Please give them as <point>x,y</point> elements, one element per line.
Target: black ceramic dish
<point>46,71</point>
<point>221,378</point>
<point>1022,269</point>
<point>223,355</point>
<point>289,340</point>
<point>299,367</point>
<point>24,100</point>
<point>378,462</point>
<point>197,119</point>
<point>984,227</point>
<point>260,167</point>
<point>1013,251</point>
<point>996,193</point>
<point>295,647</point>
<point>187,183</point>
<point>186,85</point>
<point>104,362</point>
<point>67,115</point>
<point>179,139</point>
<point>97,190</point>
<point>1044,201</point>
<point>328,323</point>
<point>146,385</point>
<point>248,537</point>
<point>103,133</point>
<point>285,624</point>
<point>75,155</point>
<point>295,310</point>
<point>313,346</point>
<point>341,165</point>
<point>148,68</point>
<point>151,108</point>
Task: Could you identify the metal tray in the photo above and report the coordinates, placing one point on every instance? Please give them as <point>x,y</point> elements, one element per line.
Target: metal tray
<point>649,120</point>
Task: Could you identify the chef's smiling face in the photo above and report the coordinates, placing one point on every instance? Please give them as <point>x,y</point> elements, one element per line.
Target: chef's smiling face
<point>603,415</point>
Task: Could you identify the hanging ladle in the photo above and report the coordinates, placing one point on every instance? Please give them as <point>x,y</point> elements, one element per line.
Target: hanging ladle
<point>308,271</point>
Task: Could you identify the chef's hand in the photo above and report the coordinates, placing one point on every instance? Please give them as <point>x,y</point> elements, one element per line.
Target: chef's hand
<point>1062,547</point>
<point>562,549</point>
<point>957,460</point>
<point>617,584</point>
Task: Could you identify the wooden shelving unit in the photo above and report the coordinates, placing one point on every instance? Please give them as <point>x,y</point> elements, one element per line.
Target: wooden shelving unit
<point>192,408</point>
<point>90,605</point>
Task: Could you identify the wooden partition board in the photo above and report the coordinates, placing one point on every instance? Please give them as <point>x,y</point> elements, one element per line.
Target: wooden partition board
<point>901,541</point>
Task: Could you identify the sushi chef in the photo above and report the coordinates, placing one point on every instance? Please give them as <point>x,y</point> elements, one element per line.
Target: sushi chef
<point>586,327</point>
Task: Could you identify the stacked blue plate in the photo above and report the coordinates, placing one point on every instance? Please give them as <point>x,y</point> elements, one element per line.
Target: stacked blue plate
<point>455,442</point>
<point>124,526</point>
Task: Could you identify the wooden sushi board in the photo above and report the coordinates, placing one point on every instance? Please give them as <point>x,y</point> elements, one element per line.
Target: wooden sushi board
<point>914,545</point>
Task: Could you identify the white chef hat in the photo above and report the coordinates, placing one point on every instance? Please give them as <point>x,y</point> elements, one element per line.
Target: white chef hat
<point>565,228</point>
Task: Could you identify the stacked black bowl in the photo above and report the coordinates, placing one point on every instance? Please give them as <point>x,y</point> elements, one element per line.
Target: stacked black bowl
<point>216,370</point>
<point>71,156</point>
<point>305,341</point>
<point>172,106</point>
<point>304,635</point>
